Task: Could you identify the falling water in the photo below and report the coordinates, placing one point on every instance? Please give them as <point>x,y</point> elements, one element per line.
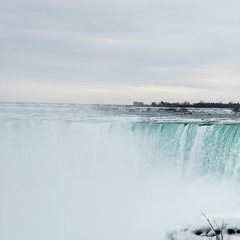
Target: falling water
<point>68,172</point>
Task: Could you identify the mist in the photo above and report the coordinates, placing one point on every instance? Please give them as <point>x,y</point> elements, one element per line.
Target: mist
<point>95,181</point>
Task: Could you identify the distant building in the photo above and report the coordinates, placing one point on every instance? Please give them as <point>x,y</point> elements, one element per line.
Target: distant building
<point>138,104</point>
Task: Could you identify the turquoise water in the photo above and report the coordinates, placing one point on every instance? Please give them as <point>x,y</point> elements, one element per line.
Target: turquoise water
<point>194,149</point>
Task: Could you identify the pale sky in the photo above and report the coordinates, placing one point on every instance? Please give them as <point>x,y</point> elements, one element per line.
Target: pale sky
<point>117,52</point>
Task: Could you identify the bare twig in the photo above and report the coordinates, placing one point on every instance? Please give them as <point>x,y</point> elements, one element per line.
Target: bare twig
<point>213,229</point>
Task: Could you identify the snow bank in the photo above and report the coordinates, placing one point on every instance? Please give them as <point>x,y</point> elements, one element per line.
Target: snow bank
<point>227,224</point>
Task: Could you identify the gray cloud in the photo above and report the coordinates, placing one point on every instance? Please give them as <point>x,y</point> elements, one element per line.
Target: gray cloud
<point>186,44</point>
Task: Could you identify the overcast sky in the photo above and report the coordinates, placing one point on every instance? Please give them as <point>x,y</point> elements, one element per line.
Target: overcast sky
<point>111,51</point>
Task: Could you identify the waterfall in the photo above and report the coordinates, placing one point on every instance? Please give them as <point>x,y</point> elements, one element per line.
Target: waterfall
<point>71,174</point>
<point>194,149</point>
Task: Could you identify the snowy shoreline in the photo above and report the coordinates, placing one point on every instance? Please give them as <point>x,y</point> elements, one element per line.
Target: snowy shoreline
<point>227,224</point>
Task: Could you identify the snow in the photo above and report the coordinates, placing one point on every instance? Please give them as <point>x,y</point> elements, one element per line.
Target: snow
<point>199,228</point>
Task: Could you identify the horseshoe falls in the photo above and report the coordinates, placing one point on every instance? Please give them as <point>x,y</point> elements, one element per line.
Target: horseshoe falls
<point>113,172</point>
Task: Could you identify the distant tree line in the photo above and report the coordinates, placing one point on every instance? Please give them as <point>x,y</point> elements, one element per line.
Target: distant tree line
<point>200,104</point>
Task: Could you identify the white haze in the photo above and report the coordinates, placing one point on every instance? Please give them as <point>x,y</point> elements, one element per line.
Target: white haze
<point>91,181</point>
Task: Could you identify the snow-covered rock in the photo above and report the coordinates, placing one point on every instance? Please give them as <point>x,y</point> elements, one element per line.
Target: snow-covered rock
<point>205,227</point>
